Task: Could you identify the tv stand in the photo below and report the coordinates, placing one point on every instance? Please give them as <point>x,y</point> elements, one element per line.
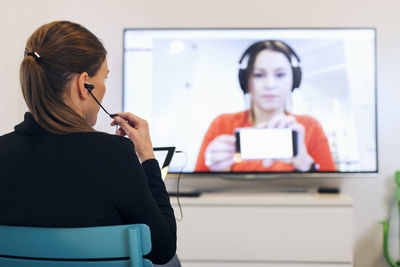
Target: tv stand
<point>328,190</point>
<point>185,194</point>
<point>269,229</point>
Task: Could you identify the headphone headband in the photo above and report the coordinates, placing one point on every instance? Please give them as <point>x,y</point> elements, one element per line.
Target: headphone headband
<point>256,48</point>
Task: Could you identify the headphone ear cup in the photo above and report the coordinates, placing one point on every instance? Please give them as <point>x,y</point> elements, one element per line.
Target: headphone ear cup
<point>243,80</point>
<point>296,77</point>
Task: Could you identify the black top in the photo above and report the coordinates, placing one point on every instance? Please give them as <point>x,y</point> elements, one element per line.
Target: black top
<point>81,180</point>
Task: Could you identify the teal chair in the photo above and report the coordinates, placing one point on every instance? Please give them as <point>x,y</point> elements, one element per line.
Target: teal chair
<point>108,246</point>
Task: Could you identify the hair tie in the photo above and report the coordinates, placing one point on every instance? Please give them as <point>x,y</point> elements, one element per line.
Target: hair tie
<point>35,55</point>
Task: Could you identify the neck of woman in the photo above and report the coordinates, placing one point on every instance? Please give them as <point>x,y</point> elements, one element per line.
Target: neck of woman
<point>262,117</point>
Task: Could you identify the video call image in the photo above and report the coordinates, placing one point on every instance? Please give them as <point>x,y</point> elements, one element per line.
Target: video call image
<point>256,100</point>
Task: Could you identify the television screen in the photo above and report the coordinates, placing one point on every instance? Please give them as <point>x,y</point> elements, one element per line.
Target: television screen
<point>256,100</point>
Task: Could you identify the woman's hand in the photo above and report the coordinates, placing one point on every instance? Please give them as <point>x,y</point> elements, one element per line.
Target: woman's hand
<point>137,129</point>
<point>219,155</point>
<point>302,161</point>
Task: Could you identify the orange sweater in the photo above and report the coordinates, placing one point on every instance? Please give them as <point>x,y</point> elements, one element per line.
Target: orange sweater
<point>315,141</point>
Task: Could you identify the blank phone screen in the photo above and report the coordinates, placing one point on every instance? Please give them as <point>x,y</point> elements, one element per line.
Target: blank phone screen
<point>266,143</point>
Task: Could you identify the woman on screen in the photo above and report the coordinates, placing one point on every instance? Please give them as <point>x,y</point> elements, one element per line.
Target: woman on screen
<point>271,74</point>
<point>56,170</point>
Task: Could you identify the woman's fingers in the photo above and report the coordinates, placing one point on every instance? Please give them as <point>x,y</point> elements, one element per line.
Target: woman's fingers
<point>267,162</point>
<point>121,132</point>
<point>281,121</point>
<point>124,125</point>
<point>137,130</point>
<point>223,142</point>
<point>133,120</point>
<point>220,153</point>
<point>222,165</point>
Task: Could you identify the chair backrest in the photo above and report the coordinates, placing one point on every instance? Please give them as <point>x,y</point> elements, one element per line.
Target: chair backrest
<point>121,245</point>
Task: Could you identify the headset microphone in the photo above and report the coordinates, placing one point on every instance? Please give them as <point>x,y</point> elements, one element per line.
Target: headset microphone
<point>90,87</point>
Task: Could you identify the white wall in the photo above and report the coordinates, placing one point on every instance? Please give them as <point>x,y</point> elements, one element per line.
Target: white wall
<point>19,18</point>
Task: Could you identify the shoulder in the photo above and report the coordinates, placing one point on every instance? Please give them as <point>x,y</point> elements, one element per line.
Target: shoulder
<point>227,122</point>
<point>95,139</point>
<point>8,141</point>
<point>105,140</point>
<point>7,136</point>
<point>235,119</point>
<point>312,125</point>
<point>99,146</point>
<point>104,137</point>
<point>232,116</point>
<point>307,120</point>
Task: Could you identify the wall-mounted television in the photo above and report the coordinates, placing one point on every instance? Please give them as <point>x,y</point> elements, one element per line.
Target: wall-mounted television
<point>257,101</point>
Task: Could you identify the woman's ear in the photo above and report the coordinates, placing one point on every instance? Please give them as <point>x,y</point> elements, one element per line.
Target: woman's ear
<point>82,79</point>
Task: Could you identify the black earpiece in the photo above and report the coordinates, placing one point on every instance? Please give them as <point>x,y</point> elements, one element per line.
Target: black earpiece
<point>88,86</point>
<point>257,47</point>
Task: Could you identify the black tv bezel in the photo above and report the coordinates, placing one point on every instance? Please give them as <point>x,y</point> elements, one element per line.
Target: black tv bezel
<point>272,175</point>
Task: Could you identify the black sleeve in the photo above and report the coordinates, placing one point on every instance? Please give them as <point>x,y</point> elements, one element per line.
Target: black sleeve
<point>139,194</point>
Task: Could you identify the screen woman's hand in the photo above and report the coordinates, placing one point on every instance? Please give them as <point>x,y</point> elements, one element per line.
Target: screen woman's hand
<point>137,129</point>
<point>219,155</point>
<point>302,161</point>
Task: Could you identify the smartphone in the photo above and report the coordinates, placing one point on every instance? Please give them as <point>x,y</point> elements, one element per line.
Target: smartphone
<point>265,143</point>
